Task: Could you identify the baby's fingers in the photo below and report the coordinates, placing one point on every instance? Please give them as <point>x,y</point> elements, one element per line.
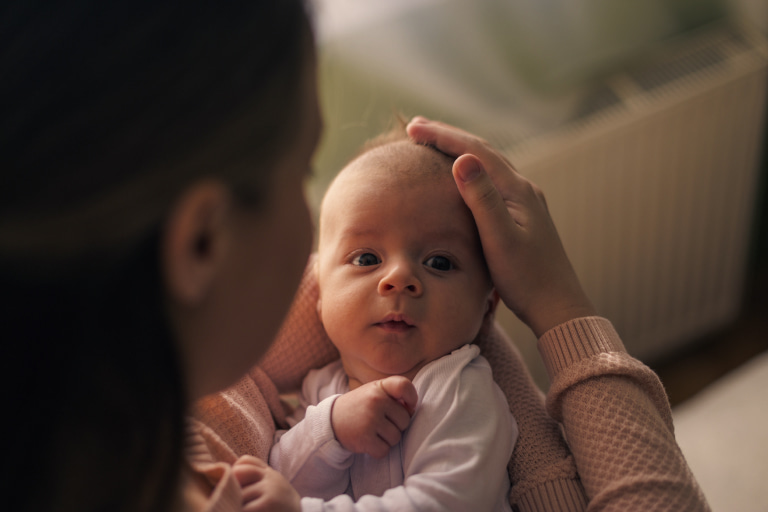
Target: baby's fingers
<point>402,391</point>
<point>271,493</point>
<point>390,433</point>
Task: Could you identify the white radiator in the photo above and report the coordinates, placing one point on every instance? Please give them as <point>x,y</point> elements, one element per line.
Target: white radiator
<point>653,189</point>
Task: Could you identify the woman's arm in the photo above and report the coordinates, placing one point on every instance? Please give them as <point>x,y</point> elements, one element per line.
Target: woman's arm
<point>542,471</point>
<point>301,344</point>
<point>613,409</point>
<point>635,462</point>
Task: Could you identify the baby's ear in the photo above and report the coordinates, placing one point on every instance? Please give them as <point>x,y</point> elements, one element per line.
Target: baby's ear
<point>316,272</point>
<point>490,311</point>
<point>493,301</point>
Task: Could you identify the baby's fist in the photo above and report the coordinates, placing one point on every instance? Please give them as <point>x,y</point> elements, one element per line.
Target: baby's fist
<point>371,418</point>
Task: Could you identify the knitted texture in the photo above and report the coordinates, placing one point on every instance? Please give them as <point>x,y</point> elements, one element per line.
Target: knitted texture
<point>542,471</point>
<point>238,421</point>
<point>618,422</point>
<point>620,455</point>
<point>301,344</point>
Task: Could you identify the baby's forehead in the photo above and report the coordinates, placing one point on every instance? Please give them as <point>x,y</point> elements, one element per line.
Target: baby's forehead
<point>402,166</point>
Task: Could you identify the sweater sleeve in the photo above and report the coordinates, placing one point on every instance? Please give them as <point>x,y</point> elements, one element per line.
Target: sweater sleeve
<point>617,420</point>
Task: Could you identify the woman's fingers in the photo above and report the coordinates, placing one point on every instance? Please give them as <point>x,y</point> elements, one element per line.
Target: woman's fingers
<point>456,142</point>
<point>451,140</point>
<point>248,470</point>
<point>448,139</point>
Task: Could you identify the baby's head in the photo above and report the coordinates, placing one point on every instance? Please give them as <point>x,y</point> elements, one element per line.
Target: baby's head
<point>401,271</point>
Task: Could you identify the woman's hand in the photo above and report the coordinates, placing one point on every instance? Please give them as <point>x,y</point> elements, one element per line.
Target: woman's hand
<point>528,264</point>
<point>263,487</point>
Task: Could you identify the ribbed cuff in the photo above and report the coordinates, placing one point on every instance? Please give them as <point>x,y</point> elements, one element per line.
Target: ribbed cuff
<point>576,340</point>
<point>318,418</point>
<point>553,496</point>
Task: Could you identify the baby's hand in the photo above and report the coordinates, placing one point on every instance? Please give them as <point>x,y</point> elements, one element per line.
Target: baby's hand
<point>371,418</point>
<point>263,487</point>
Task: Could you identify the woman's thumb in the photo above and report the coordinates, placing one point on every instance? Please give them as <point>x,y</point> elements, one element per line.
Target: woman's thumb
<point>477,190</point>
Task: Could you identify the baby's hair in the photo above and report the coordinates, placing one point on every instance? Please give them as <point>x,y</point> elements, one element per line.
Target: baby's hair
<point>394,144</point>
<point>391,138</point>
<point>396,133</point>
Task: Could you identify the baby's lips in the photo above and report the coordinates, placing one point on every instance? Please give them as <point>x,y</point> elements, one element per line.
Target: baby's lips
<point>397,318</point>
<point>395,326</point>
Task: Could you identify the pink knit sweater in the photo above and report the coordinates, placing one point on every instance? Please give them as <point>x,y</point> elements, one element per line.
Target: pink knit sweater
<point>620,452</point>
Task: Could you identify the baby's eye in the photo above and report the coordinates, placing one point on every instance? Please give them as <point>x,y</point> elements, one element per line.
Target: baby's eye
<point>366,259</point>
<point>439,263</point>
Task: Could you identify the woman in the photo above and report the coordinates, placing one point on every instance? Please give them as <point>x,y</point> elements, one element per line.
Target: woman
<point>153,158</point>
<point>152,226</point>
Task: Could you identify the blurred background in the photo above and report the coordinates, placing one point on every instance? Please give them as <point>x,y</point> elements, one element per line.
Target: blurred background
<point>644,123</point>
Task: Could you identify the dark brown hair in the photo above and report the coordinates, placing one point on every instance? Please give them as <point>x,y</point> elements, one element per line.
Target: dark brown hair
<point>110,109</point>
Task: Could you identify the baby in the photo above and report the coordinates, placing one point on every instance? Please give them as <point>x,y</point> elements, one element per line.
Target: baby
<point>409,418</point>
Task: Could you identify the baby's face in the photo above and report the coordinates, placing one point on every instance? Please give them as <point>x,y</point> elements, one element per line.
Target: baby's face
<point>401,272</point>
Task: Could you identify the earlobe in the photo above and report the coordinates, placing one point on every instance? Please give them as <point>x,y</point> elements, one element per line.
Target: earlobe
<point>493,302</point>
<point>490,312</point>
<point>316,274</point>
<point>195,240</point>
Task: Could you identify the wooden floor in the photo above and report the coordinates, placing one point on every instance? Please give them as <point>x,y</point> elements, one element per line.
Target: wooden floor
<point>689,372</point>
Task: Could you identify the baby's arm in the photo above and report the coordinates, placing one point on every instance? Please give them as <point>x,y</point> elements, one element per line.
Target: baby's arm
<point>316,460</point>
<point>455,453</point>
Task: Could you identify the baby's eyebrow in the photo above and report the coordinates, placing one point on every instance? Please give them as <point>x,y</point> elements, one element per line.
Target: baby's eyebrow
<point>436,236</point>
<point>358,232</point>
<point>450,233</point>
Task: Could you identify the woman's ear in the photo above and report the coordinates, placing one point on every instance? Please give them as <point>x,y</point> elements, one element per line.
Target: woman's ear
<point>195,241</point>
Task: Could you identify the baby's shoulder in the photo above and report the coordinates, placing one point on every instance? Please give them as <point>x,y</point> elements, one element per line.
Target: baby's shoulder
<point>462,368</point>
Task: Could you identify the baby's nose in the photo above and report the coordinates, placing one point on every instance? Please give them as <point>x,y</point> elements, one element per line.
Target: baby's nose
<point>401,279</point>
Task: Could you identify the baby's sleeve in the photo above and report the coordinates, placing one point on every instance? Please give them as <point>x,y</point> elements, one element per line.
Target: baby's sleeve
<point>460,440</point>
<point>308,454</point>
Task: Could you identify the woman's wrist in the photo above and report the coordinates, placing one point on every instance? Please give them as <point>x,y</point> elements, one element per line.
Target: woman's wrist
<point>551,315</point>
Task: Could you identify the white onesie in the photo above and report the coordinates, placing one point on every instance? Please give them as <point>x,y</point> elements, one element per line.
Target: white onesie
<point>452,456</point>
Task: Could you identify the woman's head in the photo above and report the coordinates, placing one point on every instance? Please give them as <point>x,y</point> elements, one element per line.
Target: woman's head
<point>112,108</point>
<point>151,220</point>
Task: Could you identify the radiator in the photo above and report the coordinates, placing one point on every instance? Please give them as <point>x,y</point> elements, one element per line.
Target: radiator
<point>653,188</point>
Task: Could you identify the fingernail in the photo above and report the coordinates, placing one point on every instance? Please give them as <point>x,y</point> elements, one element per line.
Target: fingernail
<point>470,170</point>
<point>419,120</point>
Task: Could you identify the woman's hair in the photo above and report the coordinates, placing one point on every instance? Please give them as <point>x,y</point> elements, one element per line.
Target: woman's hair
<point>109,110</point>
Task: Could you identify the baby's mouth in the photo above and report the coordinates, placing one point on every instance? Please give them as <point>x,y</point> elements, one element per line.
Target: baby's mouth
<point>395,323</point>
